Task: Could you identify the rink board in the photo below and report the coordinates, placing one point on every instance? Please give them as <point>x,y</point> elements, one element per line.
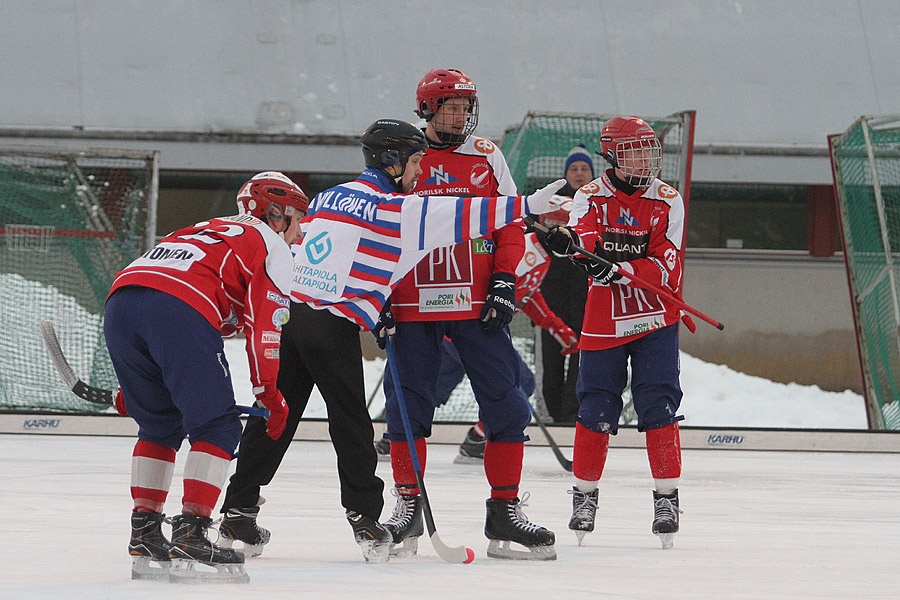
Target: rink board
<point>697,438</point>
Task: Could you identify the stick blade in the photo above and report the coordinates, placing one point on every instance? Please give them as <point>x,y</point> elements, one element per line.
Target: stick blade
<point>48,332</point>
<point>458,555</point>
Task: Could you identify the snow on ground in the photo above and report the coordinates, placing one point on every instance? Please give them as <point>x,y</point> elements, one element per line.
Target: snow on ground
<point>714,395</point>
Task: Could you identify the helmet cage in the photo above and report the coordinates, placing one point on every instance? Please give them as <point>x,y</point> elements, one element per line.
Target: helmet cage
<point>433,91</point>
<point>639,160</point>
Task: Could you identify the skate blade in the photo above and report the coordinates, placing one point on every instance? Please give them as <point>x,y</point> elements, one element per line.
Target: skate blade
<point>376,552</point>
<point>248,550</point>
<point>384,458</point>
<point>666,539</point>
<point>406,548</point>
<point>145,567</point>
<point>193,571</point>
<point>580,535</point>
<point>502,549</point>
<point>467,460</point>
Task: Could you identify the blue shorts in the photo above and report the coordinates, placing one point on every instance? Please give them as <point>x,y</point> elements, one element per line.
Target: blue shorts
<point>171,366</point>
<point>655,389</point>
<point>490,361</point>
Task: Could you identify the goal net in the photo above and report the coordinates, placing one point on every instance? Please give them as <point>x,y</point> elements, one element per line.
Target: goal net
<point>536,151</point>
<point>69,221</point>
<point>866,167</point>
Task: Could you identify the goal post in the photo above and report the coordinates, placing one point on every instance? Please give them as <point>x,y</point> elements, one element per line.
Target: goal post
<point>69,221</point>
<point>865,163</point>
<point>536,151</point>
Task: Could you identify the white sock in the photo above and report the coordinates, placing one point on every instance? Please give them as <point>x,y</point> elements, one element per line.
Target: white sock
<point>666,486</point>
<point>585,486</point>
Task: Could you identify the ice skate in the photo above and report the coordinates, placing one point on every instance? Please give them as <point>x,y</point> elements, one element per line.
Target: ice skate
<point>406,525</point>
<point>506,524</point>
<point>149,548</point>
<point>471,451</point>
<point>371,536</point>
<point>239,525</point>
<point>383,449</point>
<point>665,517</point>
<point>584,509</point>
<point>197,560</point>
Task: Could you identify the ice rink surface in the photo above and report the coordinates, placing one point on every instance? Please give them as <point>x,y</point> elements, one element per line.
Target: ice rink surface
<point>755,525</point>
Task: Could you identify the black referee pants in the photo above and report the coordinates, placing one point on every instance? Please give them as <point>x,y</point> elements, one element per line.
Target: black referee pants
<point>321,349</point>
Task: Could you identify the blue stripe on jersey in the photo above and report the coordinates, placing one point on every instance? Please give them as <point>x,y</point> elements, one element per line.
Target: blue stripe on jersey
<point>510,210</point>
<point>371,270</point>
<point>458,221</point>
<point>366,243</point>
<point>422,222</point>
<point>485,208</point>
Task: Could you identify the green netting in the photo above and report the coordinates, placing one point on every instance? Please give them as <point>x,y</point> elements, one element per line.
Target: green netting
<point>536,149</point>
<point>536,152</point>
<point>866,161</point>
<point>69,221</point>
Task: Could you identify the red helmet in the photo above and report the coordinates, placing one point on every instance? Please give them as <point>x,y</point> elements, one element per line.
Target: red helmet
<point>620,138</point>
<point>271,193</point>
<point>435,88</point>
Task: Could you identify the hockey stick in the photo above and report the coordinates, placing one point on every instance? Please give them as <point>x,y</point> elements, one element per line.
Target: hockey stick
<point>641,282</point>
<point>565,462</point>
<point>93,394</point>
<point>457,554</point>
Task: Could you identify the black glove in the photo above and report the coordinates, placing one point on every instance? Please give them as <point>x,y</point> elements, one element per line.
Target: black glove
<point>560,241</point>
<point>385,325</point>
<point>603,273</point>
<point>500,304</point>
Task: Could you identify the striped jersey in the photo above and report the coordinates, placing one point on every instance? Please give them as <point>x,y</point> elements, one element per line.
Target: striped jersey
<point>360,239</point>
<point>643,232</point>
<point>235,271</point>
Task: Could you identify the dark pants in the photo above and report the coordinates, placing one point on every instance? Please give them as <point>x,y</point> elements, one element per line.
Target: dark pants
<point>321,349</point>
<point>170,363</point>
<point>489,360</point>
<point>655,389</point>
<point>558,380</point>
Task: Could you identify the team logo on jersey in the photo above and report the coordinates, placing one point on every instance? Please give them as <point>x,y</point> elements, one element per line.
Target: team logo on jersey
<point>667,191</point>
<point>445,299</point>
<point>485,146</point>
<point>590,189</point>
<point>481,175</point>
<point>439,176</point>
<point>280,317</point>
<point>625,218</point>
<point>271,337</point>
<point>482,246</point>
<point>318,248</point>
<point>530,259</point>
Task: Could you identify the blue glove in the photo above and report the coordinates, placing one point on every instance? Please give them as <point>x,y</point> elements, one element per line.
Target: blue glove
<point>500,304</point>
<point>385,326</point>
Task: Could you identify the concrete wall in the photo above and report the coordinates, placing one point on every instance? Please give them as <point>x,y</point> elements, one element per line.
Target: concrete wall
<point>785,319</point>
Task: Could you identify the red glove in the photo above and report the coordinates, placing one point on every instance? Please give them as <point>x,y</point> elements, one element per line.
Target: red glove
<point>272,399</point>
<point>120,403</point>
<point>565,336</point>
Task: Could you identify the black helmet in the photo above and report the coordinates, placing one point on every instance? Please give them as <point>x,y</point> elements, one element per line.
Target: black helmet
<point>389,142</point>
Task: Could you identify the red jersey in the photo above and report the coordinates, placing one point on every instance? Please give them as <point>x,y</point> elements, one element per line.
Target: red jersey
<point>451,283</point>
<point>643,232</point>
<point>236,272</point>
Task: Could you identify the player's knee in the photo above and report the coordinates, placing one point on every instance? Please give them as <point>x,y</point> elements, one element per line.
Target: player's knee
<point>506,420</point>
<point>599,417</point>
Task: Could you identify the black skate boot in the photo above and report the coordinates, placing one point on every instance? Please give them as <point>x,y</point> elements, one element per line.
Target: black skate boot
<point>472,449</point>
<point>406,525</point>
<point>665,517</point>
<point>371,536</point>
<point>505,523</point>
<point>196,559</point>
<point>383,449</point>
<point>239,525</point>
<point>584,508</point>
<point>149,548</point>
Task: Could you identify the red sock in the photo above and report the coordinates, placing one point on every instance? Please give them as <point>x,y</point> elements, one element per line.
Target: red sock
<point>664,452</point>
<point>152,466</point>
<point>204,475</point>
<point>503,467</point>
<point>401,463</point>
<point>590,453</point>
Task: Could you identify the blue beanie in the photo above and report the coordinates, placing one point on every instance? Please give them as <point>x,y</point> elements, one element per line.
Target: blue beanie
<point>579,153</point>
